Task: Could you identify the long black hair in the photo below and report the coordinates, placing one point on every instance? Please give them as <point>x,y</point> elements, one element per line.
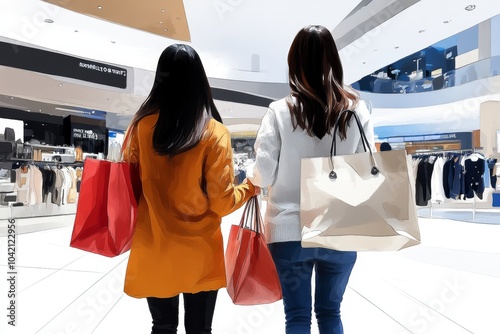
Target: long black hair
<point>317,83</point>
<point>182,97</point>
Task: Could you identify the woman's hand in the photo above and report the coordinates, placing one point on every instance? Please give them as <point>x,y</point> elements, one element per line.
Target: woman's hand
<point>257,189</point>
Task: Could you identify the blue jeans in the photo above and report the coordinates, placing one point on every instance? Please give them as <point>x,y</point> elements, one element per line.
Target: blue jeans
<point>295,265</point>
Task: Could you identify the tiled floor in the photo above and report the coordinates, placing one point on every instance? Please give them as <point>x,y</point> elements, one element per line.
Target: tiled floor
<point>448,285</point>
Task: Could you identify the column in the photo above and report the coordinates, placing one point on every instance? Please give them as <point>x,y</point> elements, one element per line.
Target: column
<point>489,113</point>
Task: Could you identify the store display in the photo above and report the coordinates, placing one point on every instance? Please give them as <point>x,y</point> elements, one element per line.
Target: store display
<point>456,175</point>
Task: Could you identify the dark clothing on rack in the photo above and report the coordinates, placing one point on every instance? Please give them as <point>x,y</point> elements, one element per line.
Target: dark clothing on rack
<point>493,177</point>
<point>456,178</point>
<point>473,178</point>
<point>446,178</point>
<point>423,182</point>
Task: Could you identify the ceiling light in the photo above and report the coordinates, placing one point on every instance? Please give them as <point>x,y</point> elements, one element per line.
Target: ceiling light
<point>99,7</point>
<point>364,62</point>
<point>70,110</point>
<point>28,110</point>
<point>60,85</point>
<point>396,47</point>
<point>48,21</point>
<point>113,42</point>
<point>178,18</point>
<point>470,7</point>
<point>447,21</point>
<point>12,97</point>
<point>76,30</point>
<point>166,29</point>
<point>163,10</point>
<point>40,110</point>
<point>421,31</point>
<point>160,22</point>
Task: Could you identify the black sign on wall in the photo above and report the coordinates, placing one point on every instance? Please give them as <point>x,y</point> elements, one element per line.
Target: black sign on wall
<point>89,134</point>
<point>53,63</point>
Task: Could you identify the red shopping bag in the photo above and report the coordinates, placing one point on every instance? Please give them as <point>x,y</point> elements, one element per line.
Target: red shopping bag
<point>107,207</point>
<point>252,278</point>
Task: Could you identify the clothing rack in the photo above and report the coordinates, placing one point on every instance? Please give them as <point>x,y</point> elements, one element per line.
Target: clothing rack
<point>422,153</point>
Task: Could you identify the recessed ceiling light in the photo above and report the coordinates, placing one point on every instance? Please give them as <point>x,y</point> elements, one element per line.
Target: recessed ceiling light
<point>160,22</point>
<point>163,10</point>
<point>93,111</point>
<point>28,110</point>
<point>470,7</point>
<point>40,110</point>
<point>166,29</point>
<point>421,31</point>
<point>60,85</point>
<point>48,21</point>
<point>12,97</point>
<point>99,7</point>
<point>178,18</point>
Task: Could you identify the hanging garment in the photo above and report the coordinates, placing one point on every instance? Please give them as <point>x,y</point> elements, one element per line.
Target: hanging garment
<point>487,175</point>
<point>455,178</point>
<point>437,188</point>
<point>473,177</point>
<point>493,176</point>
<point>22,185</point>
<point>446,178</point>
<point>423,184</point>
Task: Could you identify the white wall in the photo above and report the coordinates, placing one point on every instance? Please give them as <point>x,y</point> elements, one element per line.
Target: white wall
<point>18,127</point>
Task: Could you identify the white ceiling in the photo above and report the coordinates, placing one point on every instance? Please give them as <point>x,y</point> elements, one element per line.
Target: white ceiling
<point>226,33</point>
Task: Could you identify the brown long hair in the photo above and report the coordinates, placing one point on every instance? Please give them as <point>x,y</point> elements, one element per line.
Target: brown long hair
<point>182,97</point>
<point>317,82</point>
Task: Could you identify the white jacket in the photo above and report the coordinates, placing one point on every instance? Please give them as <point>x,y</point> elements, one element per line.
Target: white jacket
<point>279,150</point>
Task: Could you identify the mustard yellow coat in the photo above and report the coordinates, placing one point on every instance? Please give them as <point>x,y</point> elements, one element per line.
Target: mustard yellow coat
<point>177,245</point>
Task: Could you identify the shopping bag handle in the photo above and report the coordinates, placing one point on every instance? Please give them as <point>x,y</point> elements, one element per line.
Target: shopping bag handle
<point>364,140</point>
<point>251,218</point>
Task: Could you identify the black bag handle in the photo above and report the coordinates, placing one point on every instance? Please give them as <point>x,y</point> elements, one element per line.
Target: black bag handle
<point>364,140</point>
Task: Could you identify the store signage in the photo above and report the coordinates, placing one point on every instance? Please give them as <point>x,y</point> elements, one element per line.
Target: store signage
<point>43,61</point>
<point>442,136</point>
<point>86,134</point>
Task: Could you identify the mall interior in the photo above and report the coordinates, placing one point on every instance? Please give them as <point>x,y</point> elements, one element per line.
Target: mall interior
<point>74,72</point>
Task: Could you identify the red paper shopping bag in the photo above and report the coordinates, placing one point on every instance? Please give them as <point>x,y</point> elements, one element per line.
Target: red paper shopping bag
<point>252,277</point>
<point>107,208</point>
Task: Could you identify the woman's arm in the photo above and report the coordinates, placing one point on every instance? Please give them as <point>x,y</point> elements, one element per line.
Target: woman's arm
<point>218,172</point>
<point>267,152</point>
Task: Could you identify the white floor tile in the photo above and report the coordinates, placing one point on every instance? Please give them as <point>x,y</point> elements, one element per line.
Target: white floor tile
<point>448,285</point>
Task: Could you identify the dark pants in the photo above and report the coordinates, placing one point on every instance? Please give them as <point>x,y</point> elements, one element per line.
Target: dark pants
<point>295,265</point>
<point>198,313</point>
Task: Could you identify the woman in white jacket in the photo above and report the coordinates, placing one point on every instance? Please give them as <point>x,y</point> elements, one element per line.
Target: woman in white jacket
<point>300,126</point>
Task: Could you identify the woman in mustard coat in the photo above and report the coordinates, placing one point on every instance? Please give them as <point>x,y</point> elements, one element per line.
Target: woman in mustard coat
<point>186,168</point>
